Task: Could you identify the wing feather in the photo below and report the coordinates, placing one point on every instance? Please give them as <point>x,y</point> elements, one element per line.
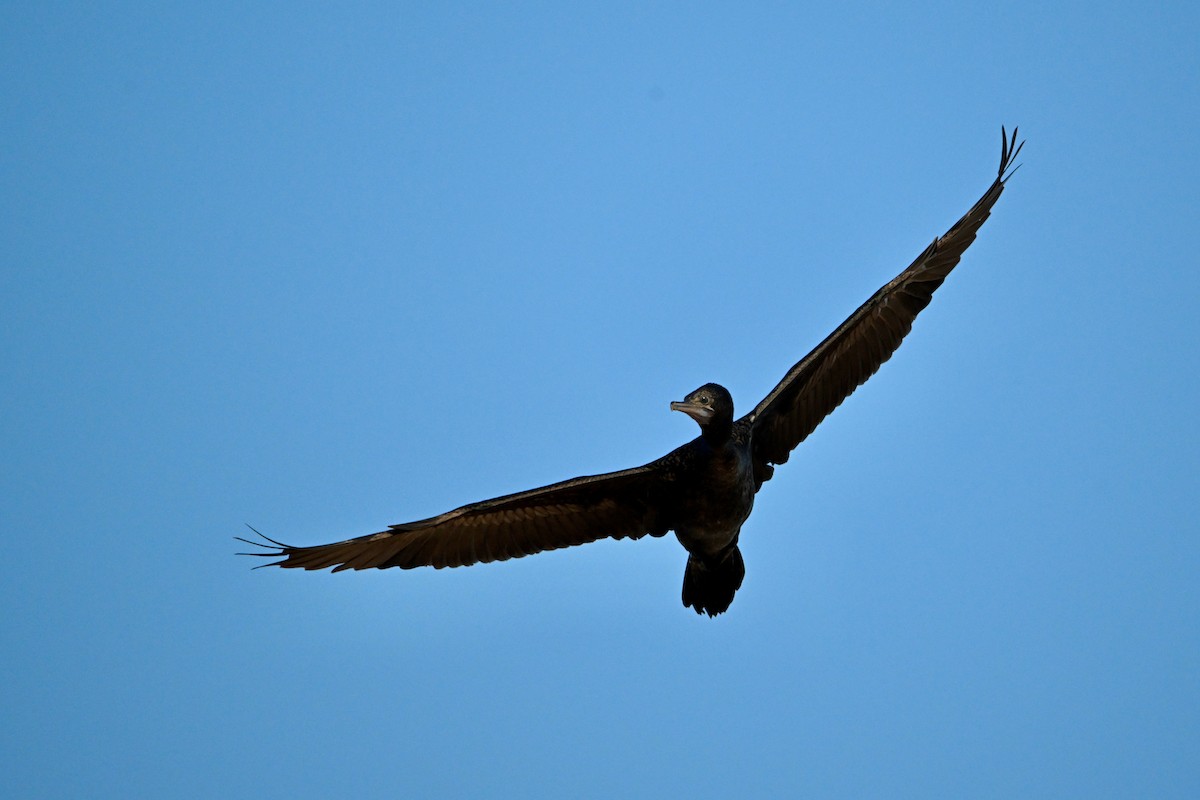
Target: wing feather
<point>850,355</point>
<point>626,504</point>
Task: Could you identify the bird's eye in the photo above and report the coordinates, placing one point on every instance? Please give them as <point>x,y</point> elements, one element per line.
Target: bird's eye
<point>705,399</point>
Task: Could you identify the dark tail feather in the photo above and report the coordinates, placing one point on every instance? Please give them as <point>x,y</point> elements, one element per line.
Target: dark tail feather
<point>709,587</point>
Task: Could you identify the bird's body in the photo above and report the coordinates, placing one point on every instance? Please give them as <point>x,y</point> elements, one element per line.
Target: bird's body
<point>703,491</point>
<point>708,521</point>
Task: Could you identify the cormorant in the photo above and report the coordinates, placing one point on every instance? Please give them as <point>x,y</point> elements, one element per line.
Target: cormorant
<point>704,490</point>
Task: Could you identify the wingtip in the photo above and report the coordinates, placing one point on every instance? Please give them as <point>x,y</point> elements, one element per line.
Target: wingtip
<point>264,536</point>
<point>1009,149</point>
<point>273,548</point>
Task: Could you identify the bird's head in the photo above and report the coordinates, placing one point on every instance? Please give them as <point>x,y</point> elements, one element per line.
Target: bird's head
<point>711,406</point>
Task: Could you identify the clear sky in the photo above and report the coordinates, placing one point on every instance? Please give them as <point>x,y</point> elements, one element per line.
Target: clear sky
<point>324,267</point>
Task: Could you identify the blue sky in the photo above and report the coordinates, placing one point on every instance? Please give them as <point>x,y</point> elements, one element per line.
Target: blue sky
<point>322,268</point>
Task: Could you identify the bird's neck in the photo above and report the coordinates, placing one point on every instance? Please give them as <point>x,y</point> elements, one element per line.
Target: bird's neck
<point>717,433</point>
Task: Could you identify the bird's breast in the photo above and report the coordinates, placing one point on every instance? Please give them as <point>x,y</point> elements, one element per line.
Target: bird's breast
<point>718,500</point>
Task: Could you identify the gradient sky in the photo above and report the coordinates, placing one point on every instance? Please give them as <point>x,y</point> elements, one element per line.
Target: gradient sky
<point>323,267</point>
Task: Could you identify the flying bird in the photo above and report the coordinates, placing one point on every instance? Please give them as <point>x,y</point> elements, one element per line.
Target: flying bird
<point>703,491</point>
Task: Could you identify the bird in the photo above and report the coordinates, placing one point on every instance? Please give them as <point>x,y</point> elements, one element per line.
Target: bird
<point>704,490</point>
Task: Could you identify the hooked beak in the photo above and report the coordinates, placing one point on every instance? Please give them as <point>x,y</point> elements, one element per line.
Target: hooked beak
<point>701,414</point>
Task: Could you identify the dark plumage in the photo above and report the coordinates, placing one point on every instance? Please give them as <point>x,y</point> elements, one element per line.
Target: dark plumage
<point>704,490</point>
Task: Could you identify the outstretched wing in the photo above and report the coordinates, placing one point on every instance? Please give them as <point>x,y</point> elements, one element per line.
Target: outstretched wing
<point>625,504</point>
<point>837,366</point>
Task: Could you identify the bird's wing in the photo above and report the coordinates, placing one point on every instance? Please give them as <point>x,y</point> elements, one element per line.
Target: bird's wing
<point>626,504</point>
<point>837,366</point>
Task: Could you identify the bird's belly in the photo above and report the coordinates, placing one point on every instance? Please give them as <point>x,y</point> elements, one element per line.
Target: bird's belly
<point>708,524</point>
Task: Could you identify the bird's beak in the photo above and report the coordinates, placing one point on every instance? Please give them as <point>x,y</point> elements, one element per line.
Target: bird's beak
<point>701,414</point>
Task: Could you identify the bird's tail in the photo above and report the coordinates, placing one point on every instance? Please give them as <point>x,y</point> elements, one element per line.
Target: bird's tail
<point>709,585</point>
